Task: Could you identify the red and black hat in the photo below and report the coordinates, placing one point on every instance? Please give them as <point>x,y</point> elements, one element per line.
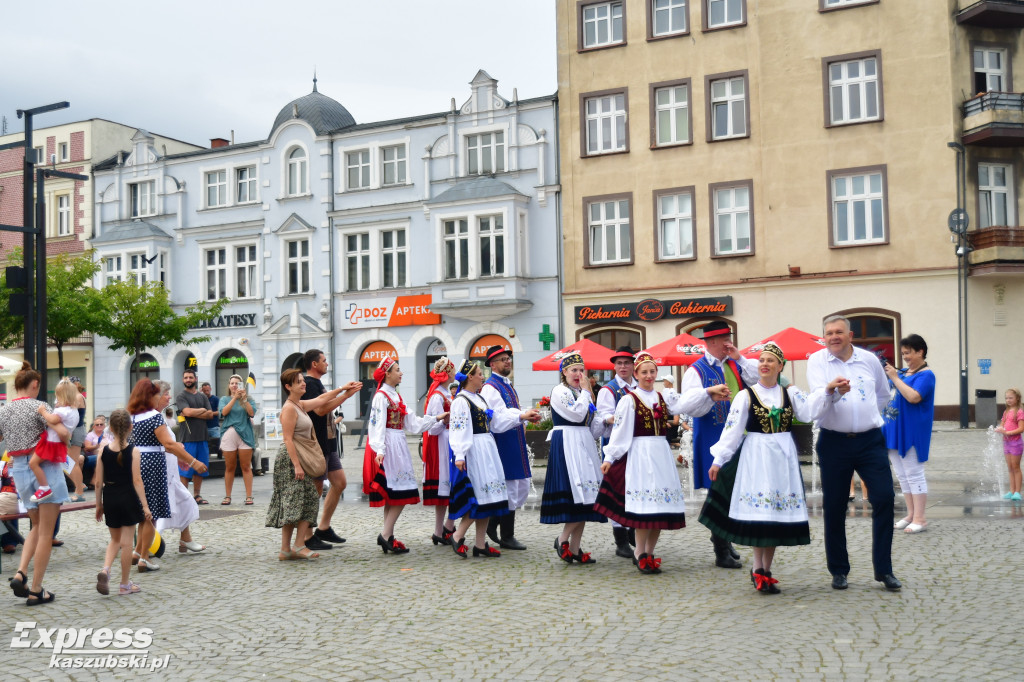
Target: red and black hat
<point>622,352</point>
<point>495,351</point>
<point>716,328</point>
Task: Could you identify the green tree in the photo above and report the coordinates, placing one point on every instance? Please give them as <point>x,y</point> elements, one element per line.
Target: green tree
<point>139,316</point>
<point>73,307</point>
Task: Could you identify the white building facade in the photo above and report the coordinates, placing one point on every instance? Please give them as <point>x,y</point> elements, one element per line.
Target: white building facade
<point>419,237</point>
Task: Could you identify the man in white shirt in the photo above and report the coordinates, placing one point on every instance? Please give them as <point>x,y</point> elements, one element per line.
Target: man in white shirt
<point>608,397</point>
<point>849,390</point>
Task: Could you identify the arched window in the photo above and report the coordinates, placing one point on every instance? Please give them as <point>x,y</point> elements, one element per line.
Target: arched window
<point>876,330</point>
<point>231,361</point>
<point>625,334</point>
<point>145,366</point>
<point>297,172</point>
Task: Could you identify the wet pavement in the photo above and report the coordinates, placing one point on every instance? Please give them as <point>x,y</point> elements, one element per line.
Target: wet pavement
<point>236,612</point>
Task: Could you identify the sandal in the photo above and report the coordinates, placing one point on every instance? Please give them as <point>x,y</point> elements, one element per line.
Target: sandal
<point>250,499</point>
<point>297,555</point>
<point>77,498</point>
<point>130,588</point>
<point>135,558</point>
<point>190,546</point>
<point>199,499</point>
<point>147,566</point>
<point>103,582</point>
<point>39,598</point>
<point>19,585</point>
<point>226,501</point>
<point>285,556</point>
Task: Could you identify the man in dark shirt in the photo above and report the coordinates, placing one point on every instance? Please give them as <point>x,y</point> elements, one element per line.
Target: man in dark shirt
<point>314,366</point>
<point>212,425</point>
<point>195,408</point>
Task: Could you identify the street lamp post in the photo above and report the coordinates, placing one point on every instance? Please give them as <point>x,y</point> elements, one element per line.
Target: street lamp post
<point>958,223</point>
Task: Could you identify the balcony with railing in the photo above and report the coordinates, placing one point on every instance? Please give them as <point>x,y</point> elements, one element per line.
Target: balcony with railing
<point>1007,14</point>
<point>994,119</point>
<point>78,342</point>
<point>998,249</point>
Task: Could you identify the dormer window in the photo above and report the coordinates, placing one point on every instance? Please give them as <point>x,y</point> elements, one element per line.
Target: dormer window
<point>143,199</point>
<point>297,170</point>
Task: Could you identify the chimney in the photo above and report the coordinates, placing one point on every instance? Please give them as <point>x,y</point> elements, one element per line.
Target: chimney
<point>218,142</point>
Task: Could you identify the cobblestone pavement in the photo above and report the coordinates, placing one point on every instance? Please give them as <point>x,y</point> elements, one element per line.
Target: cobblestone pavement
<point>237,612</point>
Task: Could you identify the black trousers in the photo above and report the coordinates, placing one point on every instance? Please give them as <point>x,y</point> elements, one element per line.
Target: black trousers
<point>839,455</point>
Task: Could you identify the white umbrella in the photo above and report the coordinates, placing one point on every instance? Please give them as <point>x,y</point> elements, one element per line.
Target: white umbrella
<point>8,368</point>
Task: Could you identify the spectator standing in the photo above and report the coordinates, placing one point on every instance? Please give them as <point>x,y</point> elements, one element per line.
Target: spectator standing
<point>315,365</point>
<point>238,441</point>
<point>213,424</point>
<point>1013,445</point>
<point>97,439</point>
<point>195,408</point>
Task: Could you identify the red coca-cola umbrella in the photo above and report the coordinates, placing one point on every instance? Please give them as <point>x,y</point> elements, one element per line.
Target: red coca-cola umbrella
<point>595,356</point>
<point>679,350</point>
<point>795,344</point>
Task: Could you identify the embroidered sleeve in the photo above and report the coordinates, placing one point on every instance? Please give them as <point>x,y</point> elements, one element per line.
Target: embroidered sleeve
<point>378,422</point>
<point>733,431</point>
<point>622,431</point>
<point>803,407</point>
<point>461,433</point>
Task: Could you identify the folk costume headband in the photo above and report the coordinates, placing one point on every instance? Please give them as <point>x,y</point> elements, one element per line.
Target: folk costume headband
<point>441,373</point>
<point>774,350</point>
<point>641,358</point>
<point>573,358</point>
<point>464,371</point>
<point>382,369</point>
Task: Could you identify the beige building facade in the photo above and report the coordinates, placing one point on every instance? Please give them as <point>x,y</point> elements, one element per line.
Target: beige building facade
<point>773,162</point>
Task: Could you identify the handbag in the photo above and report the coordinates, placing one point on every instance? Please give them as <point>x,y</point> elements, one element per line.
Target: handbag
<point>311,457</point>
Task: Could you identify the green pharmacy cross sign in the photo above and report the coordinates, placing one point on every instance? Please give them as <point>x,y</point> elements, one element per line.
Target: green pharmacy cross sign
<point>546,337</point>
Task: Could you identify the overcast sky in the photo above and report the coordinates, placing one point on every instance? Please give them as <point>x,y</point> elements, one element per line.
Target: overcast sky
<point>193,70</point>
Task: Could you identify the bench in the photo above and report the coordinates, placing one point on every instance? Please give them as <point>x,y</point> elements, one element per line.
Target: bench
<point>6,519</point>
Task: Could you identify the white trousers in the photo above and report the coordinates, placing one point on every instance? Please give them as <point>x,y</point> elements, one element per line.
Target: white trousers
<point>518,491</point>
<point>909,471</point>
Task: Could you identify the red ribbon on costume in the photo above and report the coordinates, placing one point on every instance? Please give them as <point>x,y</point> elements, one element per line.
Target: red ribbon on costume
<point>439,378</point>
<point>566,552</point>
<point>585,557</point>
<point>763,581</point>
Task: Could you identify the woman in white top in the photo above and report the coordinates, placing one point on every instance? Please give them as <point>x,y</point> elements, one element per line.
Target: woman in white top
<point>764,507</point>
<point>388,477</point>
<point>436,479</point>
<point>642,490</point>
<point>574,466</point>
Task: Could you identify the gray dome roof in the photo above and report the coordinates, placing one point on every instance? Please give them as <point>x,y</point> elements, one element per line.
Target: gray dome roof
<point>320,111</point>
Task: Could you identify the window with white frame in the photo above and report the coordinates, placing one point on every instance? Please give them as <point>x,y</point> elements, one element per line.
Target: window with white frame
<point>162,268</point>
<point>608,232</point>
<point>456,248</point>
<point>393,259</point>
<point>672,115</point>
<point>246,284</point>
<point>491,231</point>
<point>63,215</point>
<point>675,225</point>
<point>668,17</point>
<point>602,24</point>
<point>854,91</point>
<point>990,70</point>
<point>393,165</point>
<point>246,184</point>
<point>297,172</point>
<point>732,220</point>
<point>485,153</point>
<point>357,261</point>
<point>728,108</point>
<point>62,152</point>
<point>143,198</point>
<point>297,264</point>
<point>39,155</point>
<point>112,269</point>
<point>995,195</point>
<point>216,188</point>
<point>858,208</point>
<point>357,169</point>
<point>216,274</point>
<point>606,123</point>
<point>138,268</point>
<point>828,4</point>
<point>722,13</point>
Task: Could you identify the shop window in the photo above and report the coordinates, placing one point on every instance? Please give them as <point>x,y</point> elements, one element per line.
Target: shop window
<point>143,367</point>
<point>230,362</point>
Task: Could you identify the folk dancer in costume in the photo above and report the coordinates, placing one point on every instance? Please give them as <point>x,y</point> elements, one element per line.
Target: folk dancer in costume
<point>499,393</point>
<point>607,398</point>
<point>479,490</point>
<point>574,465</point>
<point>641,487</point>
<point>388,477</point>
<point>706,389</point>
<point>757,494</point>
<point>436,479</point>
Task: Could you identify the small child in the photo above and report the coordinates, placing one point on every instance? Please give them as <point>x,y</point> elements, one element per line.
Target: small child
<point>120,501</point>
<point>1013,445</point>
<point>53,444</point>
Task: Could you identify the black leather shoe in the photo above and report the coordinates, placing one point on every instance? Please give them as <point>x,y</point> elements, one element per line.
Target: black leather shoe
<point>511,543</point>
<point>839,582</point>
<point>329,536</point>
<point>317,545</point>
<point>622,548</point>
<point>492,529</point>
<point>890,581</point>
<point>487,552</point>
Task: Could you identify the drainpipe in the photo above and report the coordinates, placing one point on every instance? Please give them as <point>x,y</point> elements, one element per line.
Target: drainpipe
<point>330,245</point>
<point>558,232</point>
